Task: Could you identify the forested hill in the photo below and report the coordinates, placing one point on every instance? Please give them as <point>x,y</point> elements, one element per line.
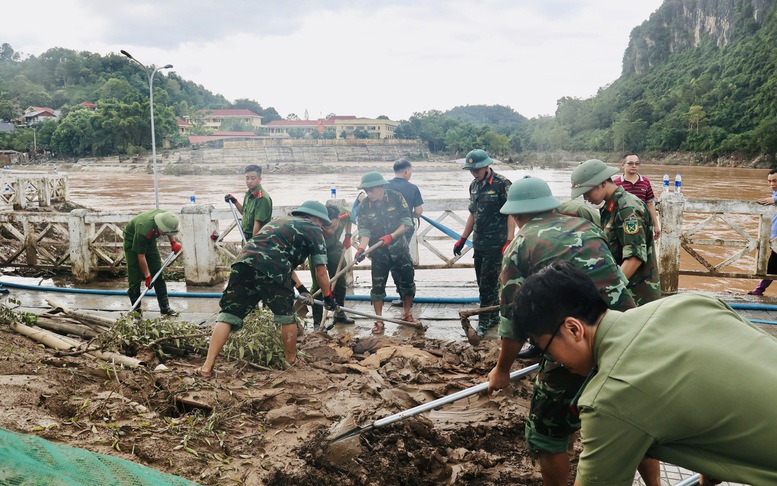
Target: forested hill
<point>697,76</point>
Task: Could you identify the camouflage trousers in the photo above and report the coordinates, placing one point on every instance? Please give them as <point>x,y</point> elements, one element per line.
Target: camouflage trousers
<point>135,277</point>
<point>488,265</point>
<point>246,288</point>
<point>384,262</point>
<point>551,421</point>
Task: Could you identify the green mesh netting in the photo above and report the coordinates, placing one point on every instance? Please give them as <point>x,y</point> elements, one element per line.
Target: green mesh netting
<point>30,460</point>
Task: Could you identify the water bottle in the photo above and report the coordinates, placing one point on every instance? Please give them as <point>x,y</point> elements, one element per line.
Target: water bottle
<point>666,182</point>
<point>333,191</point>
<point>192,198</point>
<point>678,182</point>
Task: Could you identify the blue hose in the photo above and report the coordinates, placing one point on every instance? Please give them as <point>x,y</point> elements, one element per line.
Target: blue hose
<point>446,230</point>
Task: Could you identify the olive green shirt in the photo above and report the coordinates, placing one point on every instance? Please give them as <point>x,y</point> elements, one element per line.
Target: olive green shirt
<point>684,379</point>
<point>257,206</point>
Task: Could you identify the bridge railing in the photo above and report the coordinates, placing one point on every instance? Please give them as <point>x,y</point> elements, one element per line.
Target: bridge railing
<point>21,189</point>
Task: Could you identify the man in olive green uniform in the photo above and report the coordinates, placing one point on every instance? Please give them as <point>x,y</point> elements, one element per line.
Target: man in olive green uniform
<point>684,379</point>
<point>627,225</point>
<point>493,231</point>
<point>384,216</point>
<point>341,224</point>
<point>264,270</point>
<point>544,236</point>
<point>257,204</point>
<point>142,254</point>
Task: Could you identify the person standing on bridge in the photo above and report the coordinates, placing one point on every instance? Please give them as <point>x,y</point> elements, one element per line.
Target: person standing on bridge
<point>403,170</point>
<point>384,216</point>
<point>257,204</point>
<point>771,266</point>
<point>648,372</point>
<point>264,270</point>
<point>635,183</point>
<point>627,225</point>
<point>142,255</point>
<point>493,231</point>
<point>544,236</point>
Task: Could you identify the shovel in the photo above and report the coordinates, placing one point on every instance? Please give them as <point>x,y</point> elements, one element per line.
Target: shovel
<point>416,325</point>
<point>349,266</point>
<point>429,406</point>
<point>331,285</point>
<point>167,262</point>
<point>237,222</point>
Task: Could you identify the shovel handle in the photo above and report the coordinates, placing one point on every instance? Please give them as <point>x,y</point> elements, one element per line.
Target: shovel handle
<point>237,221</point>
<point>349,266</point>
<point>167,262</point>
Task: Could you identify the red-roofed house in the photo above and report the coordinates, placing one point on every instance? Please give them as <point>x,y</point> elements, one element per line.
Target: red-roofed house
<point>342,124</point>
<point>214,118</point>
<point>37,114</point>
<point>183,126</point>
<point>87,105</point>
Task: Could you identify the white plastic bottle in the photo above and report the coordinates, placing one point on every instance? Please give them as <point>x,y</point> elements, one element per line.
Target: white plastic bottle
<point>192,198</point>
<point>333,192</point>
<point>678,183</point>
<point>666,182</point>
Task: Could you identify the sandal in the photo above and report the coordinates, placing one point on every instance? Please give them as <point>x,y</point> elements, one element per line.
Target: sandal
<point>378,328</point>
<point>412,320</point>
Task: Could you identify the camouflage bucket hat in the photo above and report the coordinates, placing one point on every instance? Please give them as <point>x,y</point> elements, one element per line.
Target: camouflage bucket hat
<point>313,208</point>
<point>167,222</point>
<point>477,159</point>
<point>372,179</point>
<point>529,195</point>
<point>590,174</point>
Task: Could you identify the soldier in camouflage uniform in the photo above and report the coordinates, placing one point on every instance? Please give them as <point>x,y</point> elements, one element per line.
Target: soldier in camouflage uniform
<point>257,204</point>
<point>545,236</point>
<point>142,254</point>
<point>384,216</point>
<point>493,231</point>
<point>341,224</point>
<point>264,270</point>
<point>627,225</point>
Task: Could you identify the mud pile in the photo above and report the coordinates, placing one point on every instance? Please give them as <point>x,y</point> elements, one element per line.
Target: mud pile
<point>258,426</point>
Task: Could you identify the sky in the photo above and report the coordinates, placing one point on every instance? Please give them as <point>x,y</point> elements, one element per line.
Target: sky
<point>357,57</point>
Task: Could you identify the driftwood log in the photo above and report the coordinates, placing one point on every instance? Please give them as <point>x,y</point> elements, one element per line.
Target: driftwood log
<point>472,335</point>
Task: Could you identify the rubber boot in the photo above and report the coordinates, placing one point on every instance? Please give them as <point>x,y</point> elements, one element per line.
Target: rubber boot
<point>160,287</point>
<point>318,312</point>
<point>134,296</point>
<point>341,318</point>
<point>761,287</point>
<point>487,321</point>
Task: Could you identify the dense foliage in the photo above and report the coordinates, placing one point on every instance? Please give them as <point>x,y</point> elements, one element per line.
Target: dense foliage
<point>62,79</point>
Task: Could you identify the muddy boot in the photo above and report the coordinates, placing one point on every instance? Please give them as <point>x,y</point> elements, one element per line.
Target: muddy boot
<point>318,311</point>
<point>761,288</point>
<point>342,318</point>
<point>160,287</point>
<point>486,322</point>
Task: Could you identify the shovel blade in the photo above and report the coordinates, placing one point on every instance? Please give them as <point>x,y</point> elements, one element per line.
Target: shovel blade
<point>344,443</point>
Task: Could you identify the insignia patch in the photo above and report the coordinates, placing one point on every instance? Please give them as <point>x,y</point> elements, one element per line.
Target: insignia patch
<point>631,225</point>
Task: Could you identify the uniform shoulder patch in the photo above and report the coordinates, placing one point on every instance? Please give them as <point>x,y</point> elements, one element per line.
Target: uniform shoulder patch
<point>631,225</point>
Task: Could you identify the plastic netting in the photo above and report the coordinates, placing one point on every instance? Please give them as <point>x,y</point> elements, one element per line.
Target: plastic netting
<point>30,460</point>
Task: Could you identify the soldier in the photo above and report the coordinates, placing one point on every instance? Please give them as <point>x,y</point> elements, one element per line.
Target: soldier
<point>264,271</point>
<point>341,224</point>
<point>493,231</point>
<point>627,225</point>
<point>142,254</point>
<point>257,204</point>
<point>545,236</point>
<point>384,216</point>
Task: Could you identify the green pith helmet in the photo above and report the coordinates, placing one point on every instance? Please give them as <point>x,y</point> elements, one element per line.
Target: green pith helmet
<point>372,179</point>
<point>529,195</point>
<point>477,159</point>
<point>167,222</point>
<point>313,208</point>
<point>590,174</point>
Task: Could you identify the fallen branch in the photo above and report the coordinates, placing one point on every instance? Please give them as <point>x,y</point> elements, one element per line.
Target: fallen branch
<point>182,336</point>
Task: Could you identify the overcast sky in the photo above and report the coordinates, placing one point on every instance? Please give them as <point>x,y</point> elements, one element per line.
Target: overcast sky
<point>356,57</point>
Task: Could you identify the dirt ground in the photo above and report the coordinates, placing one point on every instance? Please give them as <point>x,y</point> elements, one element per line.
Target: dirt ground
<point>252,426</point>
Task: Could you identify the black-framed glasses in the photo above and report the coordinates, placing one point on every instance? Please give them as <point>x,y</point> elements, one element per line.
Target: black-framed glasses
<point>544,352</point>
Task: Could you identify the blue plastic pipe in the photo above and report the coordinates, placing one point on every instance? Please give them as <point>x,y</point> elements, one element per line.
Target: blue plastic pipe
<point>445,230</point>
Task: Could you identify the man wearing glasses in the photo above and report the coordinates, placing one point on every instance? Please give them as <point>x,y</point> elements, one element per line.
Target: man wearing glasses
<point>544,236</point>
<point>646,370</point>
<point>635,183</point>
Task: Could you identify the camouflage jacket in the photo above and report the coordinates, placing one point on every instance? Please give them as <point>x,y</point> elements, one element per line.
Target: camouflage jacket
<point>282,245</point>
<point>552,236</point>
<point>334,244</point>
<point>380,218</point>
<point>257,206</point>
<point>486,198</point>
<point>629,229</point>
<point>141,233</point>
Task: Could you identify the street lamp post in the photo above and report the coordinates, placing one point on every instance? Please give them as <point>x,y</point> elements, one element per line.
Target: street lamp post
<point>150,76</point>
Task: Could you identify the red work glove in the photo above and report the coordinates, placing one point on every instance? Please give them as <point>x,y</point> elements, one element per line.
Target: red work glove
<point>504,248</point>
<point>176,247</point>
<point>347,242</point>
<point>147,281</point>
<point>229,198</point>
<point>459,246</point>
<point>359,256</point>
<point>386,239</point>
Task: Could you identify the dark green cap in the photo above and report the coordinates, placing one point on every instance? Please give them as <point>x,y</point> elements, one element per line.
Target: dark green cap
<point>590,174</point>
<point>313,208</point>
<point>477,159</point>
<point>372,179</point>
<point>529,195</point>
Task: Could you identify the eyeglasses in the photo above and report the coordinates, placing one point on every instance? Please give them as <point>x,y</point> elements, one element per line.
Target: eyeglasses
<point>633,164</point>
<point>545,353</point>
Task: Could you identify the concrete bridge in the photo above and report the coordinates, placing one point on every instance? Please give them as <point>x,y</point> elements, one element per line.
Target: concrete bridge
<point>724,239</point>
<point>21,189</point>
